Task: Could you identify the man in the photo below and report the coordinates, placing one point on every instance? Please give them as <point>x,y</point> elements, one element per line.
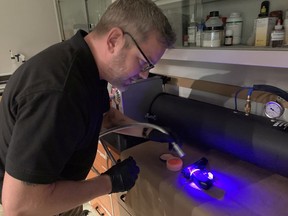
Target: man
<point>54,106</point>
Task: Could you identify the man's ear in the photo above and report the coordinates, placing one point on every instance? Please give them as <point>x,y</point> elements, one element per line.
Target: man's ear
<point>115,39</point>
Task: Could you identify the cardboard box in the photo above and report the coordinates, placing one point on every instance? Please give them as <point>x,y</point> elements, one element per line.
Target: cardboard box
<point>264,27</point>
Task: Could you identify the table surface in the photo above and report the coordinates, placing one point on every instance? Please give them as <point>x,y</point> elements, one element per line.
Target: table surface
<point>240,188</point>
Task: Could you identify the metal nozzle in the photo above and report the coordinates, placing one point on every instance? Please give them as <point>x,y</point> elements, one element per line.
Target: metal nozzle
<point>247,107</point>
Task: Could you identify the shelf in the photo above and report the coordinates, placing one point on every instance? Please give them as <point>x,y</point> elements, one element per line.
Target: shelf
<point>165,2</point>
<point>268,57</point>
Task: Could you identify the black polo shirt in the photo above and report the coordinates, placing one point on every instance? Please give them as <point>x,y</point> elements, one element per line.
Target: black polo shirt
<point>51,114</point>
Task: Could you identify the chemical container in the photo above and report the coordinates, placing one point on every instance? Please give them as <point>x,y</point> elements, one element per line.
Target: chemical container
<point>234,23</point>
<point>213,31</point>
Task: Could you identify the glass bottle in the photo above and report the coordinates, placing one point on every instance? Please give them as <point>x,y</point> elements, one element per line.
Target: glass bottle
<point>277,35</point>
<point>228,41</point>
<point>192,29</point>
<point>213,32</point>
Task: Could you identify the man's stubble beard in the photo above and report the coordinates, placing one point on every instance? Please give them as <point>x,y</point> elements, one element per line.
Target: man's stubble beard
<point>117,72</point>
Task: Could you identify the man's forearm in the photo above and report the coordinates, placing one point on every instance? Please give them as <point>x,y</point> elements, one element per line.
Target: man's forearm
<point>22,199</point>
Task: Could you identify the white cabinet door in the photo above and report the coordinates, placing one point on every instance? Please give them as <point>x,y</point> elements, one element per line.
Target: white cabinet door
<point>79,14</point>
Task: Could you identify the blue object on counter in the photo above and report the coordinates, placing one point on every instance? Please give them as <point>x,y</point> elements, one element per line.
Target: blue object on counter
<point>198,174</point>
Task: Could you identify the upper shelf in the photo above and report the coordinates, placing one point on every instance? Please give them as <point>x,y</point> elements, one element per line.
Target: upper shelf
<point>268,57</point>
<point>165,2</point>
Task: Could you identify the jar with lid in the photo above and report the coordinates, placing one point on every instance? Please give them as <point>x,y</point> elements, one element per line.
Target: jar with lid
<point>234,23</point>
<point>213,31</point>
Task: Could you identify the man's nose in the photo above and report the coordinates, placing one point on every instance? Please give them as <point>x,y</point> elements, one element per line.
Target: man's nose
<point>144,74</point>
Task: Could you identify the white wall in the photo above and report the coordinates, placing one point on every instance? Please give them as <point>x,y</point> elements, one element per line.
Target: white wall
<point>27,27</point>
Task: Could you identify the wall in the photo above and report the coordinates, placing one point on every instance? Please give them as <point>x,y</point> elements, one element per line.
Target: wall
<point>27,27</point>
<point>217,83</point>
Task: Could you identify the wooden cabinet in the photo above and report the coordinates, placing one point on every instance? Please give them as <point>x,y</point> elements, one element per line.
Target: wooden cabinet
<point>107,205</point>
<point>103,205</point>
<point>120,209</point>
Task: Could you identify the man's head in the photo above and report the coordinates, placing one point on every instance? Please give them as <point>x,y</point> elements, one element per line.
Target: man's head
<point>135,34</point>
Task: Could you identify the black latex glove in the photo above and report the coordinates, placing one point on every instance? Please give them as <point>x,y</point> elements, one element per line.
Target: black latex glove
<point>123,175</point>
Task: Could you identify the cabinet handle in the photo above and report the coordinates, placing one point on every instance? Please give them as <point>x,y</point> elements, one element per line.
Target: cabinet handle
<point>98,210</point>
<point>123,197</point>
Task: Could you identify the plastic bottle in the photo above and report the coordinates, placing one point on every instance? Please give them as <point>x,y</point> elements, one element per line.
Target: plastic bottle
<point>213,32</point>
<point>277,35</point>
<point>192,29</point>
<point>228,41</point>
<point>234,23</point>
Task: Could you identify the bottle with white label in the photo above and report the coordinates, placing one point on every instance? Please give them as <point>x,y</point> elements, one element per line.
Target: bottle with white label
<point>228,41</point>
<point>277,36</point>
<point>192,29</point>
<point>213,32</point>
<point>234,23</point>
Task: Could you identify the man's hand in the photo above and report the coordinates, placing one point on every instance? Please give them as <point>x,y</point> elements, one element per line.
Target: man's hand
<point>123,175</point>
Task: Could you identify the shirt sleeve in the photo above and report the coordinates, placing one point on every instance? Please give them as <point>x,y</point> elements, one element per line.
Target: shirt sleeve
<point>48,128</point>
